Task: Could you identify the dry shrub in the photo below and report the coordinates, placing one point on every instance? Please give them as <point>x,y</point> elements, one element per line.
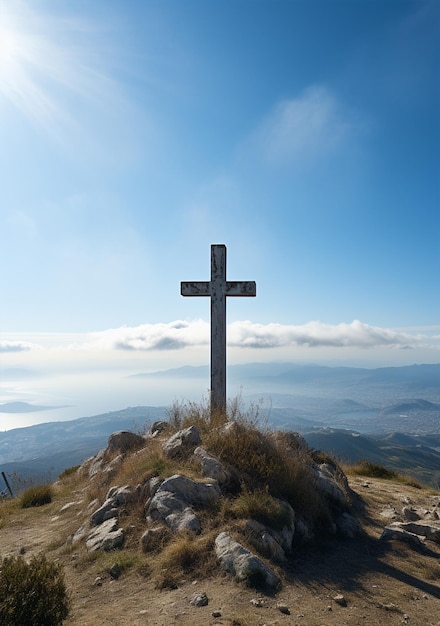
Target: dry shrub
<point>32,593</point>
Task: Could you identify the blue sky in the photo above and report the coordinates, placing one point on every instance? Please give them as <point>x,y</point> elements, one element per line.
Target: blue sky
<point>302,134</point>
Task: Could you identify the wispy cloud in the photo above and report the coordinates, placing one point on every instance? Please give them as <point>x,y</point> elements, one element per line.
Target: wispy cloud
<point>304,128</point>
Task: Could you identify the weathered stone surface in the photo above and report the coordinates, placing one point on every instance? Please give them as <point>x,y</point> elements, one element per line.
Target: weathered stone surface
<point>174,511</point>
<point>199,599</point>
<point>79,535</point>
<point>106,537</point>
<point>191,491</point>
<point>431,532</point>
<point>95,464</point>
<point>211,467</point>
<point>120,495</point>
<point>241,563</point>
<point>395,532</point>
<point>156,428</point>
<point>327,483</point>
<point>124,441</point>
<point>114,464</point>
<point>265,543</point>
<point>182,442</point>
<point>270,542</point>
<point>410,514</point>
<point>292,440</point>
<point>99,515</point>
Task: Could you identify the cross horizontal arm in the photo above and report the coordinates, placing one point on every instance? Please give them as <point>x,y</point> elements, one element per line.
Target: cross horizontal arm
<point>202,288</point>
<point>241,288</point>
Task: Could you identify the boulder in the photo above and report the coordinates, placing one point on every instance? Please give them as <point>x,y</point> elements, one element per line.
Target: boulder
<point>395,532</point>
<point>104,512</point>
<point>430,531</point>
<point>241,563</point>
<point>327,483</point>
<point>156,428</point>
<point>265,542</point>
<point>174,511</point>
<point>120,495</point>
<point>182,442</point>
<point>106,537</point>
<point>124,441</point>
<point>211,467</point>
<point>410,514</point>
<point>191,491</point>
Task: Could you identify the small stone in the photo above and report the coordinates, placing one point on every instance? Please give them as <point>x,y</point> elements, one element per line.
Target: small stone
<point>199,599</point>
<point>115,571</point>
<point>98,581</point>
<point>340,599</point>
<point>258,602</point>
<point>283,609</point>
<point>216,614</point>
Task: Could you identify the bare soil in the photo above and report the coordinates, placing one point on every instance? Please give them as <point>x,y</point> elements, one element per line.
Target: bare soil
<point>382,582</point>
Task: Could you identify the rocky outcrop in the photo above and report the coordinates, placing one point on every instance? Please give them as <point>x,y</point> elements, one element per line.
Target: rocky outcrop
<point>211,467</point>
<point>172,502</point>
<point>105,537</point>
<point>243,564</point>
<point>419,529</point>
<point>124,441</point>
<point>182,443</point>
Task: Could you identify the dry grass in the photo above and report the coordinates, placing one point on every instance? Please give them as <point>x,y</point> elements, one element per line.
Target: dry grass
<point>372,470</point>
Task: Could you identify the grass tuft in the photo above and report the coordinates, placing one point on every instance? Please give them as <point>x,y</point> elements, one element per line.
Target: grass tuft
<point>36,496</point>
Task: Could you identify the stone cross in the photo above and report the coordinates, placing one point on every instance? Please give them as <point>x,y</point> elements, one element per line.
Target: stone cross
<point>218,288</point>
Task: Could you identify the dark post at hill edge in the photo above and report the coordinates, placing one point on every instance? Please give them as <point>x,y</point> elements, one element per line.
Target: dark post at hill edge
<point>218,288</point>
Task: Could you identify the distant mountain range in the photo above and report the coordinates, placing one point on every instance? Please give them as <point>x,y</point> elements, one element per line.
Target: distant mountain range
<point>389,415</point>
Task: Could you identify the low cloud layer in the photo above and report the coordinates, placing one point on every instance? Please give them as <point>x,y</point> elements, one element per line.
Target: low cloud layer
<point>316,334</point>
<point>245,334</point>
<point>180,335</point>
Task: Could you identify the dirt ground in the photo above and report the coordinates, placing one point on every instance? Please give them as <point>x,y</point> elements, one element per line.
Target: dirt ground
<point>382,582</point>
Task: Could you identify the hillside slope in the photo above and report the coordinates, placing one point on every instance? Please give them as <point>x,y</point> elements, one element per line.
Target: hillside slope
<point>332,581</point>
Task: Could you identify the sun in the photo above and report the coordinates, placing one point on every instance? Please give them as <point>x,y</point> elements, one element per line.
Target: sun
<point>9,53</point>
<point>15,51</point>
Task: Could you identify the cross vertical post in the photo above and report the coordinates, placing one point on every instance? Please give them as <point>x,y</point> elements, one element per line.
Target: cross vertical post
<point>218,289</point>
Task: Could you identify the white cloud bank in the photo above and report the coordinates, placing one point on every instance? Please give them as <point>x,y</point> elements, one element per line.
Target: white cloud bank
<point>180,334</point>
